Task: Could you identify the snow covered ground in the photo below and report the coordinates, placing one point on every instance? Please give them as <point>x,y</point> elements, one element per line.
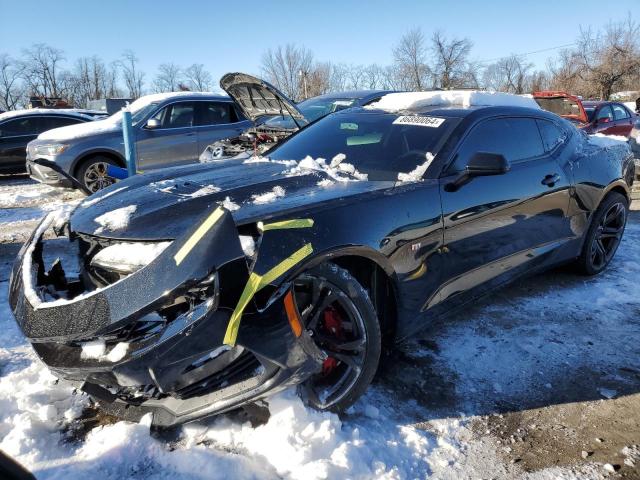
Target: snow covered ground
<point>458,402</point>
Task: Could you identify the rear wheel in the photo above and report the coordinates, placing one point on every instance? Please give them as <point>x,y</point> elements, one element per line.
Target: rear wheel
<point>604,234</point>
<point>339,316</point>
<point>92,173</point>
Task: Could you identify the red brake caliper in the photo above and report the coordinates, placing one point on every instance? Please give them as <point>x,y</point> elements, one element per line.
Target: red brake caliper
<point>332,325</point>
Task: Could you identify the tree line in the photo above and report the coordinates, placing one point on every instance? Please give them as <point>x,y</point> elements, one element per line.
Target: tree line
<point>599,63</point>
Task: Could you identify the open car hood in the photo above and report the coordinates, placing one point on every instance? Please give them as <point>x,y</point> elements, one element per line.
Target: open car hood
<point>257,98</point>
<point>563,104</point>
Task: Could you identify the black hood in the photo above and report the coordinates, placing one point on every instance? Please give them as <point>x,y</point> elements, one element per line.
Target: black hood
<point>165,204</point>
<point>257,98</point>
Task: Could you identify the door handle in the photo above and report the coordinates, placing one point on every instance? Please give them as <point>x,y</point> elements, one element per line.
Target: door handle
<point>551,179</point>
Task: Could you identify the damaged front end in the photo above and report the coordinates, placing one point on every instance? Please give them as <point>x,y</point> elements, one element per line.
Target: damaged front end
<point>159,330</point>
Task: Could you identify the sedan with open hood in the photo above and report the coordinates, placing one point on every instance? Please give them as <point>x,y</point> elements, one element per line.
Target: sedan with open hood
<point>191,291</point>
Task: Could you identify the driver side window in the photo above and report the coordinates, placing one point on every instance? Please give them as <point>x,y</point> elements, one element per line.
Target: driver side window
<point>176,115</point>
<point>515,138</point>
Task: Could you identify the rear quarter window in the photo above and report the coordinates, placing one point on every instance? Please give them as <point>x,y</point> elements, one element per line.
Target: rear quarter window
<point>552,135</point>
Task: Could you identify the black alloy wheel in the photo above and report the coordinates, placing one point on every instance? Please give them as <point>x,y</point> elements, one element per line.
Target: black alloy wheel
<point>604,234</point>
<point>338,314</point>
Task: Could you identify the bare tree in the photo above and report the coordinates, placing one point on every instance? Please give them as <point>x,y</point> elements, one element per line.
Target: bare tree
<point>373,76</point>
<point>133,78</point>
<point>11,89</point>
<point>339,80</point>
<point>451,68</point>
<point>42,68</point>
<point>606,58</point>
<point>198,78</point>
<point>288,68</point>
<point>564,72</point>
<point>410,58</point>
<point>510,74</point>
<point>168,78</point>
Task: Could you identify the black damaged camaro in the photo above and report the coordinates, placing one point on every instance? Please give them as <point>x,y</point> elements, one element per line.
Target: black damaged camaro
<point>191,291</point>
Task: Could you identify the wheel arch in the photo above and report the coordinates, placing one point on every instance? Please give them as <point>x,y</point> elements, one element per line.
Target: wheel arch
<point>376,274</point>
<point>618,186</point>
<point>116,156</point>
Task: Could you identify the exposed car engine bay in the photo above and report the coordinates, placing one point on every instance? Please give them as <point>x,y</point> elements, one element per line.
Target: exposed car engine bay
<point>254,141</point>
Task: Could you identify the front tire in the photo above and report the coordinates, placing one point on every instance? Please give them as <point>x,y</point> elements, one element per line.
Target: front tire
<point>604,234</point>
<point>92,173</point>
<point>338,314</point>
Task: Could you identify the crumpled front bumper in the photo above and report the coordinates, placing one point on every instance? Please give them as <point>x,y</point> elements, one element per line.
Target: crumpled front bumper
<point>184,361</point>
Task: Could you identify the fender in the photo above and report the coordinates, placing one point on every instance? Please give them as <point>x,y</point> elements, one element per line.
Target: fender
<point>616,185</point>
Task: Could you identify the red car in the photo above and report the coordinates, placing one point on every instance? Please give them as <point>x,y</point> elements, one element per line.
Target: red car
<point>609,118</point>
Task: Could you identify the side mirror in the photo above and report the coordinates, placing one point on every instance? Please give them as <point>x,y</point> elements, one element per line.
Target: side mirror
<point>153,123</point>
<point>482,164</point>
<point>604,120</point>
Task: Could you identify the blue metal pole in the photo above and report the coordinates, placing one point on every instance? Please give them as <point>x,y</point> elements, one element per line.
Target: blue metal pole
<point>129,143</point>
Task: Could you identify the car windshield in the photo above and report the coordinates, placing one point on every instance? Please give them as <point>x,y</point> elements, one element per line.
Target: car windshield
<point>312,109</point>
<point>590,112</point>
<point>377,144</point>
<point>315,108</point>
<point>138,113</point>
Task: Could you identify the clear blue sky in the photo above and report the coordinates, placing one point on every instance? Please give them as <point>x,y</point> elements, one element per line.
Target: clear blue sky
<point>232,35</point>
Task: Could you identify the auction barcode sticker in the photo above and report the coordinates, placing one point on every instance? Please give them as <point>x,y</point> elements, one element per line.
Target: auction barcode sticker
<point>433,122</point>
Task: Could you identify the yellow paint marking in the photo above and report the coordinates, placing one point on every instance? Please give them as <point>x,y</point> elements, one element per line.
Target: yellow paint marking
<point>418,273</point>
<point>197,235</point>
<point>257,282</point>
<point>294,223</point>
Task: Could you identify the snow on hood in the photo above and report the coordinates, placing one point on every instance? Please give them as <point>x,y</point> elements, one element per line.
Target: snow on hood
<point>165,206</point>
<point>395,102</point>
<point>80,130</point>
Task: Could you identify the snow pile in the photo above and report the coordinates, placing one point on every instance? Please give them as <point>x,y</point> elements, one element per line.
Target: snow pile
<point>230,205</point>
<point>133,254</point>
<point>36,111</point>
<point>78,130</point>
<point>416,174</point>
<point>260,159</point>
<point>301,443</point>
<point>206,190</point>
<point>97,350</point>
<point>607,141</point>
<point>337,170</point>
<point>248,245</point>
<point>115,220</point>
<point>396,102</point>
<point>34,406</point>
<point>268,197</point>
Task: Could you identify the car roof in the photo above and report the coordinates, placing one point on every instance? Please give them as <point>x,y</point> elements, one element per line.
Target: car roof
<point>473,112</point>
<point>67,112</point>
<point>169,96</point>
<point>357,94</point>
<point>597,103</point>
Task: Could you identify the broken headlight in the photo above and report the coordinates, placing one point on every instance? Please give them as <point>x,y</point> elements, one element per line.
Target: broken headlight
<point>127,257</point>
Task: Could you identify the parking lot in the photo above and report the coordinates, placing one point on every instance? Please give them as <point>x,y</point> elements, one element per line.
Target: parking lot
<point>542,380</point>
